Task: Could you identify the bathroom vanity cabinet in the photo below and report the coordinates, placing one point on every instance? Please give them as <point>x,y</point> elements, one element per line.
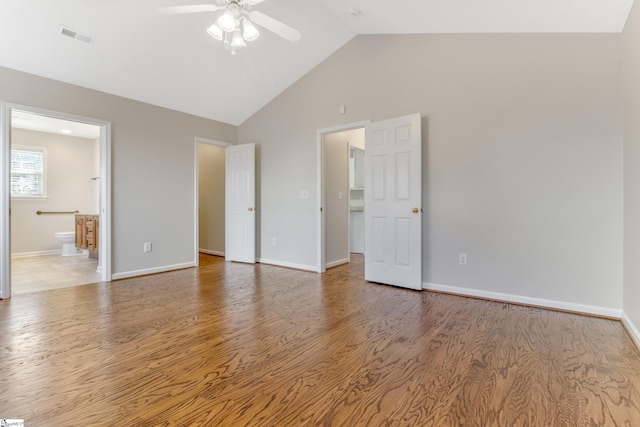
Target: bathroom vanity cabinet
<point>87,232</point>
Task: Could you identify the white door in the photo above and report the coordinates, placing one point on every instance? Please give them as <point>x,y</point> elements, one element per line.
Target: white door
<point>393,202</point>
<point>240,216</point>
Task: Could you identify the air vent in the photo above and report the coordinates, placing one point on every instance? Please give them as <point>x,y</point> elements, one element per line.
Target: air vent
<point>68,32</point>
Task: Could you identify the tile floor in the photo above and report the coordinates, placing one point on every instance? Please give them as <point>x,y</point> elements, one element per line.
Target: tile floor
<point>41,273</point>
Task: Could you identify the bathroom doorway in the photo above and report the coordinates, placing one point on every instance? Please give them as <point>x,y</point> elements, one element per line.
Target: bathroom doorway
<point>57,167</point>
<point>210,197</point>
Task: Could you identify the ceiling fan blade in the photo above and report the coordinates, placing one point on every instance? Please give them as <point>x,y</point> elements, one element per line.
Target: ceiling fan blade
<point>275,26</point>
<point>253,2</point>
<point>194,8</point>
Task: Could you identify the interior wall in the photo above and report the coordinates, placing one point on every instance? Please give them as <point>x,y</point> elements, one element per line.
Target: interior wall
<point>631,67</point>
<point>152,167</point>
<point>336,179</point>
<point>70,167</point>
<point>523,156</point>
<point>211,198</point>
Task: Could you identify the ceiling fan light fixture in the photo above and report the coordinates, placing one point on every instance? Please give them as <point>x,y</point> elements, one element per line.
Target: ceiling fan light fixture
<point>235,22</point>
<point>249,31</point>
<point>216,32</point>
<point>237,40</point>
<point>227,21</point>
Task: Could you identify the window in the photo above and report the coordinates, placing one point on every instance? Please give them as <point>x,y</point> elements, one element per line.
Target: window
<point>28,171</point>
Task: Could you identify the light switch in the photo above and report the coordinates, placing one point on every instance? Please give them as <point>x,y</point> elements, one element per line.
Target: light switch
<point>304,194</point>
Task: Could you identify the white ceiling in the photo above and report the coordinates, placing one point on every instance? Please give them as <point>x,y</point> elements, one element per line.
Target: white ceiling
<point>24,120</point>
<point>172,62</point>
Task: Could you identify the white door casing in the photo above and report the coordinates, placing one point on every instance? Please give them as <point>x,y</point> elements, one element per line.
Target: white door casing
<point>240,219</point>
<point>393,202</point>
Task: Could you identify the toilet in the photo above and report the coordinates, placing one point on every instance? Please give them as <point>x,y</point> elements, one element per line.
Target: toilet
<point>68,240</point>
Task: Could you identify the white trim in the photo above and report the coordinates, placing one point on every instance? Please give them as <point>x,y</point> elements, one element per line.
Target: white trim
<point>631,328</point>
<point>196,219</point>
<point>519,299</point>
<point>29,198</point>
<point>105,188</point>
<point>208,252</point>
<point>311,268</point>
<point>321,266</point>
<point>154,270</point>
<point>105,245</point>
<point>38,253</point>
<point>5,201</point>
<point>338,262</point>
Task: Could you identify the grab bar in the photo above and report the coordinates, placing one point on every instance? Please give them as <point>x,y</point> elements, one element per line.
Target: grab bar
<point>57,212</point>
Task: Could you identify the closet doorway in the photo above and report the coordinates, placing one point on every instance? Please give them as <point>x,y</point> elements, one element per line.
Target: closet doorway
<point>210,197</point>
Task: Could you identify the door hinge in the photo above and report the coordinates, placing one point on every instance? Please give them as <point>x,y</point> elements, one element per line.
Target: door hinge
<point>320,209</point>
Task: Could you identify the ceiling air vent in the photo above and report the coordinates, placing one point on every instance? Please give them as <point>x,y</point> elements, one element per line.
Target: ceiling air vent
<point>68,32</point>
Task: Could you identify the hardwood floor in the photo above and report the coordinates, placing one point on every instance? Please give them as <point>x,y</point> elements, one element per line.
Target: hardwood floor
<point>233,345</point>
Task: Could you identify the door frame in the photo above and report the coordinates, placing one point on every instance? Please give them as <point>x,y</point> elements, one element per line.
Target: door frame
<point>321,266</point>
<point>104,266</point>
<point>196,186</point>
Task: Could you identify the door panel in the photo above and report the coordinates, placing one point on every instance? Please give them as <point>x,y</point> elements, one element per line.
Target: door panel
<point>393,202</point>
<point>240,204</point>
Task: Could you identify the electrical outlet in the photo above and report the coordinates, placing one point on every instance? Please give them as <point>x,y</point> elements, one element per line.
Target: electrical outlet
<point>462,258</point>
<point>147,247</point>
<point>273,241</point>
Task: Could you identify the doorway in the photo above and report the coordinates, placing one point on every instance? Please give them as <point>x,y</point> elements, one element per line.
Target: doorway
<point>393,200</point>
<point>98,182</point>
<point>340,201</point>
<point>210,197</point>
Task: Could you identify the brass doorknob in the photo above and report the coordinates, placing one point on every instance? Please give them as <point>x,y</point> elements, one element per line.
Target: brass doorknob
<point>415,210</point>
<point>250,209</point>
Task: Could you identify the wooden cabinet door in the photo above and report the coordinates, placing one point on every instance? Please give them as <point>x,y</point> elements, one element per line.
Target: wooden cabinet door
<point>80,232</point>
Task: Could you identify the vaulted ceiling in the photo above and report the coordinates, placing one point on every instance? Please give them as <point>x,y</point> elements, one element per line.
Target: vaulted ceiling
<point>172,62</point>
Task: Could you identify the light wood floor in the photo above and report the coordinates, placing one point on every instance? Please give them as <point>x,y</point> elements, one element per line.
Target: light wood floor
<point>42,273</point>
<point>239,345</point>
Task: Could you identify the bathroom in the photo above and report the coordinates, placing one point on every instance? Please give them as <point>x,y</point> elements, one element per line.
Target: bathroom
<point>71,165</point>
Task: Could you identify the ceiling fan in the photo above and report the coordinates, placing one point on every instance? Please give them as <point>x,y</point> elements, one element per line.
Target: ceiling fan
<point>234,25</point>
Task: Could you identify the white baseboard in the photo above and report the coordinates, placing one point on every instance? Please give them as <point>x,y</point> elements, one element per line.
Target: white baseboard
<point>337,263</point>
<point>38,253</point>
<point>631,328</point>
<point>154,270</point>
<point>288,265</point>
<point>518,299</point>
<point>208,252</point>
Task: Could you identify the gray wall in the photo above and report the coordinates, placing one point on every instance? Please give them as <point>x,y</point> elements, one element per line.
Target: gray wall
<point>523,156</point>
<point>631,64</point>
<point>153,152</point>
<point>211,182</point>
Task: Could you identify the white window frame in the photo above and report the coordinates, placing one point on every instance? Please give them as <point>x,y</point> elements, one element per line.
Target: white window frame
<point>42,150</point>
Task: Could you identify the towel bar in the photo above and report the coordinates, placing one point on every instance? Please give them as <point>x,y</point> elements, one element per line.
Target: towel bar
<point>56,212</point>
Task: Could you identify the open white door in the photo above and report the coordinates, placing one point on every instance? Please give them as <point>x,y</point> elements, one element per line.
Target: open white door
<point>393,202</point>
<point>240,190</point>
